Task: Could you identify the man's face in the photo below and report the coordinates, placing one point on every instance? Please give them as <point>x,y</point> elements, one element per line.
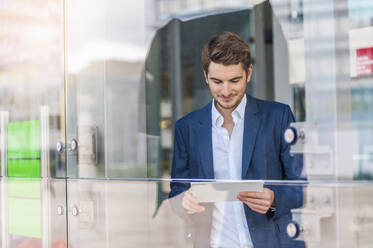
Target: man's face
<point>227,84</point>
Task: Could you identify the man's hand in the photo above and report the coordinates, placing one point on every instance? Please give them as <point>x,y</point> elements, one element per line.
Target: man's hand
<point>258,201</point>
<point>191,204</point>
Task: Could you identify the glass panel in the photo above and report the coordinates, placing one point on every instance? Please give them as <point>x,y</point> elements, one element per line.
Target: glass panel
<point>175,82</point>
<point>122,107</point>
<point>105,53</point>
<point>33,212</point>
<point>133,69</point>
<point>32,120</point>
<point>329,58</point>
<point>335,52</point>
<point>32,100</point>
<point>117,212</point>
<point>121,104</point>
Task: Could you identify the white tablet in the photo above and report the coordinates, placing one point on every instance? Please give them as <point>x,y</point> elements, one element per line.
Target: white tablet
<point>223,191</point>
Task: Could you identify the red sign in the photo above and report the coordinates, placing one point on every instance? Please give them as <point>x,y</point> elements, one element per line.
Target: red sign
<point>364,61</point>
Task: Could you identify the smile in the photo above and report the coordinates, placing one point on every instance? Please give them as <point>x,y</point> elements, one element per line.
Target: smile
<point>227,98</point>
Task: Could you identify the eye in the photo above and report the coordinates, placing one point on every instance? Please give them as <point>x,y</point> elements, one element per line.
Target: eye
<point>216,81</point>
<point>235,81</point>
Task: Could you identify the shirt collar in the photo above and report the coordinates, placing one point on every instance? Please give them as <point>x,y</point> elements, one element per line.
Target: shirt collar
<point>239,112</point>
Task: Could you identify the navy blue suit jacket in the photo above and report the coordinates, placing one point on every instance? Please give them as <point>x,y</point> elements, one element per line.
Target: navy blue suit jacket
<point>265,156</point>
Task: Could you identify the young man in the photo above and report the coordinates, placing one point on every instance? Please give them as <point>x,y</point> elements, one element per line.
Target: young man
<point>237,137</point>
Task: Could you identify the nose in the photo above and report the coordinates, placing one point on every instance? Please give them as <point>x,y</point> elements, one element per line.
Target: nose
<point>226,91</point>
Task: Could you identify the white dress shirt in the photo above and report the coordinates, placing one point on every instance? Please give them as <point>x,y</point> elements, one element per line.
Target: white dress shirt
<point>229,227</point>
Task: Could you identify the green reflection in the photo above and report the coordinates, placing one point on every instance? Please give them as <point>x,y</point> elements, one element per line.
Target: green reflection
<point>24,149</point>
<point>24,208</point>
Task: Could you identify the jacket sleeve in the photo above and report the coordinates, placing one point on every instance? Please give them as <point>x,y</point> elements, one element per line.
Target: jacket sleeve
<point>180,163</point>
<point>288,197</point>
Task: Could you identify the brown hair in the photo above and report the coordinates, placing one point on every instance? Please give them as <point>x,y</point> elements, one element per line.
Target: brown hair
<point>226,48</point>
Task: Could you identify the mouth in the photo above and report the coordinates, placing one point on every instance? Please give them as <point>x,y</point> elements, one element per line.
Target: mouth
<point>226,98</point>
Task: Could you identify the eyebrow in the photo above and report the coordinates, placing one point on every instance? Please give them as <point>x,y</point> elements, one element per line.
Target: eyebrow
<point>235,78</point>
<point>217,79</point>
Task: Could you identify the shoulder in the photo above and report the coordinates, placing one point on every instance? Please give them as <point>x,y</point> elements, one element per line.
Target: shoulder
<point>194,116</point>
<point>271,107</point>
<point>274,112</point>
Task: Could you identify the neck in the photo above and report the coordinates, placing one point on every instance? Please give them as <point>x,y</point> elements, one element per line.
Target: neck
<point>226,113</point>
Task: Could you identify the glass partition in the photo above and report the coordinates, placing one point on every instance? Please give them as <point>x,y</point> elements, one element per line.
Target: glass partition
<point>32,89</point>
<point>90,94</point>
<point>131,77</point>
<point>328,53</point>
<point>117,212</point>
<point>33,212</point>
<point>328,58</point>
<point>32,124</point>
<point>106,47</point>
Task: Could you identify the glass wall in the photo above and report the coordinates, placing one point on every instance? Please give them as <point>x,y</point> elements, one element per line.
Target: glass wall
<point>32,117</point>
<point>90,96</point>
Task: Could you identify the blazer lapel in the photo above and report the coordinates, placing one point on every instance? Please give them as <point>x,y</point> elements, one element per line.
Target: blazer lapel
<point>251,128</point>
<point>204,132</point>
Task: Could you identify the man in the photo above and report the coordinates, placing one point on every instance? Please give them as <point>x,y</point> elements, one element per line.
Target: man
<point>236,137</point>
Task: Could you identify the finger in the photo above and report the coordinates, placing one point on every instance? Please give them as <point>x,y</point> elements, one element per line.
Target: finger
<point>186,206</point>
<point>266,194</point>
<point>257,208</point>
<point>189,195</point>
<point>261,211</point>
<point>253,204</point>
<point>241,198</point>
<point>258,195</point>
<point>192,206</point>
<point>261,202</point>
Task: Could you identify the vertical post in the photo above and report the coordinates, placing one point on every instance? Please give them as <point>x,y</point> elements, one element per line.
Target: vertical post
<point>282,88</point>
<point>4,118</point>
<point>4,212</point>
<point>46,212</point>
<point>44,141</point>
<point>263,86</point>
<point>44,171</point>
<point>174,68</point>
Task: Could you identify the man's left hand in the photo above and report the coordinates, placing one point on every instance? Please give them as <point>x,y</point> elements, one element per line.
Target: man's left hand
<point>257,201</point>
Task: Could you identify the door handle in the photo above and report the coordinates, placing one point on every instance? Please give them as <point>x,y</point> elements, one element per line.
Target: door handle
<point>72,146</point>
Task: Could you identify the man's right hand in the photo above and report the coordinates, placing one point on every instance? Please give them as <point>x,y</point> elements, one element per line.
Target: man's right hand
<point>191,204</point>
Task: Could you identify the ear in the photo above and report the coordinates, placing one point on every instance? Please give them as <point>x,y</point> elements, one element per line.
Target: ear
<point>249,73</point>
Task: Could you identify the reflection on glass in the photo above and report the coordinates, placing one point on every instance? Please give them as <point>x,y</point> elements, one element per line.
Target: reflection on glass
<point>24,153</point>
<point>132,69</point>
<point>105,54</point>
<point>331,60</point>
<point>28,215</point>
<point>177,85</point>
<point>31,124</point>
<point>107,219</point>
<point>334,68</point>
<point>31,87</point>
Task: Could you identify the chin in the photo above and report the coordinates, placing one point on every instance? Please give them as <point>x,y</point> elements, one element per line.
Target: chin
<point>227,105</point>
